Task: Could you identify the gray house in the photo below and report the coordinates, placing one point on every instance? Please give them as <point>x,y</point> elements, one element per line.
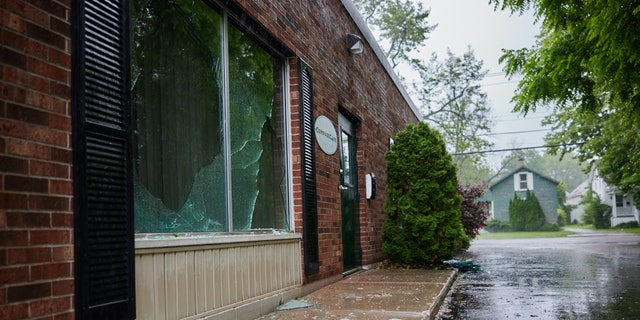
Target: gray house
<point>517,182</point>
<point>622,204</point>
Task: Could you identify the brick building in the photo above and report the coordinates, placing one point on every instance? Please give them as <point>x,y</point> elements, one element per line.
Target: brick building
<point>188,159</point>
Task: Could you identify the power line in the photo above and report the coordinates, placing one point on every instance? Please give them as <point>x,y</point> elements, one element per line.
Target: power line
<point>521,115</point>
<point>507,118</point>
<point>513,132</point>
<point>515,149</point>
<point>495,74</point>
<point>498,83</point>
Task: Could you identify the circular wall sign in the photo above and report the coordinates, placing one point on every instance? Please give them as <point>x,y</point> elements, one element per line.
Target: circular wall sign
<point>326,135</point>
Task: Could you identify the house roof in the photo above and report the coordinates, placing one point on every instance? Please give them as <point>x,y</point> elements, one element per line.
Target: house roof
<point>582,188</point>
<point>523,168</point>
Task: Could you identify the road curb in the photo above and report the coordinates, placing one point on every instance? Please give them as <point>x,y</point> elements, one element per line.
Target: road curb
<point>439,299</point>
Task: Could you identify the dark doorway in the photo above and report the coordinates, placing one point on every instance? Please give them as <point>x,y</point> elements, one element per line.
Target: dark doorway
<point>349,194</point>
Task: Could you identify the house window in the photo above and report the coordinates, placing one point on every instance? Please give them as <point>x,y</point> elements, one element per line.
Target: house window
<point>523,181</point>
<point>208,118</point>
<point>619,201</point>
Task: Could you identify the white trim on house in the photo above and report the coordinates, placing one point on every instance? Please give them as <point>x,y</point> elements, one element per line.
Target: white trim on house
<point>492,211</point>
<point>189,239</point>
<point>608,194</point>
<point>521,177</point>
<point>622,208</point>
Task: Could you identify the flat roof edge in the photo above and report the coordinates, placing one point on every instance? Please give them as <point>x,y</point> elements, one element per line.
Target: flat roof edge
<point>366,32</point>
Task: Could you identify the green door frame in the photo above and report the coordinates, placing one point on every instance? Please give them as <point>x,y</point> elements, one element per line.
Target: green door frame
<point>351,251</point>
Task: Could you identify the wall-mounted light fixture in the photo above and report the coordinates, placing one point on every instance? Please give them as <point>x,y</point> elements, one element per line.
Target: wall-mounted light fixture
<point>354,44</point>
<point>370,185</point>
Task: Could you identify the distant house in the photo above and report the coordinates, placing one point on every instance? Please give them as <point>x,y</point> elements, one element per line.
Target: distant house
<point>574,199</point>
<point>517,182</point>
<point>622,205</point>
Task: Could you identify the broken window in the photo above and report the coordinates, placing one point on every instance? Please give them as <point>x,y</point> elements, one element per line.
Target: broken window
<point>209,143</point>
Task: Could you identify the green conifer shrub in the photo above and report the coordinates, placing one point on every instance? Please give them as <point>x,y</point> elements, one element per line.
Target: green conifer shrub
<point>526,214</point>
<point>423,205</point>
<point>596,212</point>
<point>495,225</point>
<point>516,213</point>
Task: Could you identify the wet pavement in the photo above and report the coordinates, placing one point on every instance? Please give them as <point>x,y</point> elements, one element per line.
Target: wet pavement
<point>374,294</point>
<point>592,275</point>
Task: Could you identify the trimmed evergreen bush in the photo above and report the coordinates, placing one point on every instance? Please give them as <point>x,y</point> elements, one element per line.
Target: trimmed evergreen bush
<point>550,227</point>
<point>516,213</point>
<point>495,225</point>
<point>423,205</point>
<point>526,214</point>
<point>627,225</point>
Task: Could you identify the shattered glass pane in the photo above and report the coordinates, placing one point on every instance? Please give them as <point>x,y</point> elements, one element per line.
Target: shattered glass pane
<point>256,157</point>
<point>180,178</point>
<point>177,103</point>
<point>201,211</point>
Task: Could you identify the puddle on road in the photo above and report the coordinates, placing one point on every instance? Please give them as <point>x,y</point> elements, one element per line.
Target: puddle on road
<point>548,284</point>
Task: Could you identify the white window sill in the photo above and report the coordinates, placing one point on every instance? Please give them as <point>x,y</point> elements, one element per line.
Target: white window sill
<point>168,240</point>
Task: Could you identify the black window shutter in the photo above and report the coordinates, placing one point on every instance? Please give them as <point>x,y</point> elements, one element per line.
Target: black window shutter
<point>103,206</point>
<point>310,210</point>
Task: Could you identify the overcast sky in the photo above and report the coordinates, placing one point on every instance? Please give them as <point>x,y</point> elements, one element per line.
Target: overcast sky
<point>463,23</point>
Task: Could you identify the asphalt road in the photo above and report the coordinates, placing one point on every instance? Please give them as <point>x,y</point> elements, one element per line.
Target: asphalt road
<point>592,275</point>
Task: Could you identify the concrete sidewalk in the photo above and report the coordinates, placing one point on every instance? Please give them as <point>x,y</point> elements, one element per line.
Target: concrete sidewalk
<point>374,294</point>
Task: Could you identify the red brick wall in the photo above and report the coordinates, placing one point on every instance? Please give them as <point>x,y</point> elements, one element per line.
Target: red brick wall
<point>36,231</point>
<point>316,32</point>
<point>36,219</point>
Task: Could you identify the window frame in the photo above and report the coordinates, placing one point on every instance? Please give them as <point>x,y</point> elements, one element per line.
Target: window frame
<point>619,201</point>
<point>517,181</point>
<point>234,15</point>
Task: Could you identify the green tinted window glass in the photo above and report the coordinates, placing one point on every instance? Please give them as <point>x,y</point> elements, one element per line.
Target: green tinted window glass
<point>258,168</point>
<point>180,108</point>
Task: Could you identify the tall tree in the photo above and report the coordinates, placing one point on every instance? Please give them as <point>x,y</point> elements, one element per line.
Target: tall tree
<point>472,173</point>
<point>585,64</point>
<point>451,98</point>
<point>448,91</point>
<point>567,169</point>
<point>401,24</point>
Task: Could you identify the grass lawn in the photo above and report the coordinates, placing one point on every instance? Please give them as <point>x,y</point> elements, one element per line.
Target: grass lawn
<point>625,230</point>
<point>524,235</point>
<point>556,234</point>
<point>635,230</point>
<point>580,226</point>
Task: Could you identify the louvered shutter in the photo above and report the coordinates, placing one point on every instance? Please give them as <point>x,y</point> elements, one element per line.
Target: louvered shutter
<point>310,210</point>
<point>103,205</point>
